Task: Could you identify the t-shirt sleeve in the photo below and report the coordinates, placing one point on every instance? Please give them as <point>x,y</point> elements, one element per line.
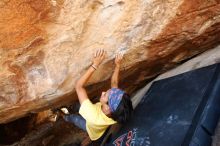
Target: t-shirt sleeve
<point>88,111</point>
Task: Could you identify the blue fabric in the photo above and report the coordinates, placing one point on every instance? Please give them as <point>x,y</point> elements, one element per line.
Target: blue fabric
<point>114,98</point>
<point>77,120</point>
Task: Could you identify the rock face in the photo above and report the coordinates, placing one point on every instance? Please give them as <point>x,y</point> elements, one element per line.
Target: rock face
<point>45,45</point>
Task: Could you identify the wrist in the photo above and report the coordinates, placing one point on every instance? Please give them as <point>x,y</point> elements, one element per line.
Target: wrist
<point>95,64</point>
<point>117,66</point>
<point>94,67</point>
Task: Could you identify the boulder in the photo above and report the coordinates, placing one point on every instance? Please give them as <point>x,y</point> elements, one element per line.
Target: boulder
<point>46,45</point>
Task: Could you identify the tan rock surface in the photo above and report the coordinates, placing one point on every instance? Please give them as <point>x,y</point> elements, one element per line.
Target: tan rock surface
<point>45,45</point>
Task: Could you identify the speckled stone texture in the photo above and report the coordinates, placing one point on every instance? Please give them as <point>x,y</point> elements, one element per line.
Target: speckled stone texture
<point>46,45</point>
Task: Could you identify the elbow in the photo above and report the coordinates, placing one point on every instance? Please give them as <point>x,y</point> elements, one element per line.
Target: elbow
<point>78,85</point>
<point>114,85</point>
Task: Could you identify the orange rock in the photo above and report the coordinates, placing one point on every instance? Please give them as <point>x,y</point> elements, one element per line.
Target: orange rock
<point>45,45</point>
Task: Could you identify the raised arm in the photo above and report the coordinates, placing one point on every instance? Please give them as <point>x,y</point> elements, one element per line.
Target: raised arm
<point>115,76</point>
<point>80,90</point>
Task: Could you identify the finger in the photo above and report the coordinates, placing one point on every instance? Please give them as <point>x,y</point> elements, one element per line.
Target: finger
<point>116,56</point>
<point>103,57</point>
<point>96,53</point>
<point>100,52</point>
<point>104,53</point>
<point>121,55</point>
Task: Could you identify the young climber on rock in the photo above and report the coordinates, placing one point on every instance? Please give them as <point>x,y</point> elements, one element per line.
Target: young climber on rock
<point>114,106</point>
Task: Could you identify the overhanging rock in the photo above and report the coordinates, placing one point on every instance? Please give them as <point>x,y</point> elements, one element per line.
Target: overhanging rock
<point>45,45</point>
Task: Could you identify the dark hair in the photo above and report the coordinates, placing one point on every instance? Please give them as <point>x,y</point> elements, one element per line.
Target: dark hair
<point>124,110</point>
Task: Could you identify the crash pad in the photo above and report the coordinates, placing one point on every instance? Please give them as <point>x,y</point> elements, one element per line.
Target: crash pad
<point>178,111</point>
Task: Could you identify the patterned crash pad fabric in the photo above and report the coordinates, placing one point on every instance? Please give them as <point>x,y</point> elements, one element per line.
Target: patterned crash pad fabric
<point>181,110</point>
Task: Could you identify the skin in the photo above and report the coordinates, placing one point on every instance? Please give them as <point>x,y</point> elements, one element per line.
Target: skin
<point>98,58</point>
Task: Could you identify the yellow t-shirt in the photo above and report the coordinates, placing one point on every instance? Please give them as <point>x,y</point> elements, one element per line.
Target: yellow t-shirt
<point>96,121</point>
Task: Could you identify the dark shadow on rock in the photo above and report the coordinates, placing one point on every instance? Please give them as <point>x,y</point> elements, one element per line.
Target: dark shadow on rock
<point>59,133</point>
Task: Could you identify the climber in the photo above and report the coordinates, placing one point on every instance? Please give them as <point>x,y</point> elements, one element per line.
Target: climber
<point>114,106</point>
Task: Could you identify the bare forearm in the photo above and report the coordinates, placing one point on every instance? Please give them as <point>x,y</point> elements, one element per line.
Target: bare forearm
<point>83,80</point>
<point>115,76</point>
<point>80,90</point>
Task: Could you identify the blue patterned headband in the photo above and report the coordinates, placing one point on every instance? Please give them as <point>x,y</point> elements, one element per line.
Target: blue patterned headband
<point>114,98</point>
